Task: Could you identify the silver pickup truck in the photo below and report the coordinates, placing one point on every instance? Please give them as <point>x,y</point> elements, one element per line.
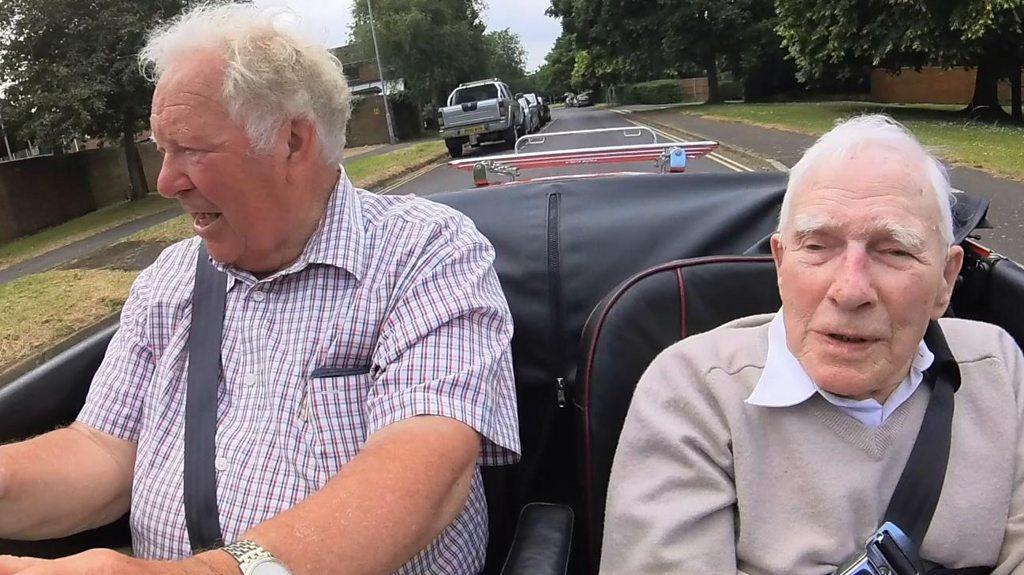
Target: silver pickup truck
<point>478,112</point>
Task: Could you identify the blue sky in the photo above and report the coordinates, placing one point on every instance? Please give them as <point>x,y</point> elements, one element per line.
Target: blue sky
<point>330,20</point>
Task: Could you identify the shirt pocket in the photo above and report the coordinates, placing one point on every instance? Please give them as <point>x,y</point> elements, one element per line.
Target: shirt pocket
<point>337,417</point>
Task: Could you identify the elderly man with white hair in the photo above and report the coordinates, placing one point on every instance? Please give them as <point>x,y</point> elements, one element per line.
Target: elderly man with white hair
<point>774,443</point>
<point>364,364</point>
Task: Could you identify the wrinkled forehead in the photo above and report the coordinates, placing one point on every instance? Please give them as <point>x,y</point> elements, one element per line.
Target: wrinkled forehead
<point>870,177</point>
<point>195,76</point>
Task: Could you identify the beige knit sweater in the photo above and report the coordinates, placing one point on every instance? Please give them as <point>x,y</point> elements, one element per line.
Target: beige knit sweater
<point>704,483</point>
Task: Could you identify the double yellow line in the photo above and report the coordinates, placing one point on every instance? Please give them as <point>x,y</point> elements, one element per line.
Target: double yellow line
<point>727,162</point>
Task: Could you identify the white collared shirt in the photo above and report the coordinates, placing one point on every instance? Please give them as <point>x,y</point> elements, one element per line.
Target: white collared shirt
<point>784,382</point>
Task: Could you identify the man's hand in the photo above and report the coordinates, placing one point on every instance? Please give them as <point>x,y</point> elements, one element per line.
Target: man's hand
<point>94,561</point>
<point>107,562</point>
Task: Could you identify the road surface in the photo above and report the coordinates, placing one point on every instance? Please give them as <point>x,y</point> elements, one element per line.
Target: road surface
<point>443,178</point>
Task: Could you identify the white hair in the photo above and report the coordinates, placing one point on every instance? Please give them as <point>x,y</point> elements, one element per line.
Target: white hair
<point>274,72</point>
<point>874,129</point>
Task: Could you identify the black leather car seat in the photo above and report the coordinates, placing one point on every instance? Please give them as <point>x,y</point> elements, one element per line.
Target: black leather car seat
<point>636,321</point>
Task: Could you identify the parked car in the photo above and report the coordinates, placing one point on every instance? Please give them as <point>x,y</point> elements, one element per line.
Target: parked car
<point>531,113</point>
<point>478,112</point>
<point>598,281</point>
<point>543,112</point>
<point>583,99</point>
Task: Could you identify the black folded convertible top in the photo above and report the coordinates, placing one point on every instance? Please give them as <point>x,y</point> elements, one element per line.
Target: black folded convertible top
<point>561,246</point>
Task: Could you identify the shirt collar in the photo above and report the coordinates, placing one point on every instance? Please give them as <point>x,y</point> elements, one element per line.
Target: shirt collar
<point>337,241</point>
<point>784,383</point>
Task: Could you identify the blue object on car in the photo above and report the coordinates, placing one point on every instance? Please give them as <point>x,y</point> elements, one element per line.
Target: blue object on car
<point>677,160</point>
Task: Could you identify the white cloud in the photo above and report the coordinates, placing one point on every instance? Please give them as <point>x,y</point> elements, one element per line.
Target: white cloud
<point>329,20</point>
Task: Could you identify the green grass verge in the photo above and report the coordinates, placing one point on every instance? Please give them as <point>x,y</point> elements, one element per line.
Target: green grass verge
<point>994,148</point>
<point>43,309</point>
<point>79,228</point>
<point>370,172</point>
<point>172,230</point>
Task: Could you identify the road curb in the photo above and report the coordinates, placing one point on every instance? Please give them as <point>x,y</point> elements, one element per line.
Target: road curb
<point>697,136</point>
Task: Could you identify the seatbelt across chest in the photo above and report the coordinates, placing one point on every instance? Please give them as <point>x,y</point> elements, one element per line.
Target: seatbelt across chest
<point>913,502</point>
<point>204,369</point>
<point>916,496</point>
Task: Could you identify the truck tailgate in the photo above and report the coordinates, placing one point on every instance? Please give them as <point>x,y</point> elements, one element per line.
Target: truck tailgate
<point>470,113</point>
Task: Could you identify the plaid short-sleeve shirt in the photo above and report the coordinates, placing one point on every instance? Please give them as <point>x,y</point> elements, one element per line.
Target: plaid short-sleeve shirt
<point>393,310</point>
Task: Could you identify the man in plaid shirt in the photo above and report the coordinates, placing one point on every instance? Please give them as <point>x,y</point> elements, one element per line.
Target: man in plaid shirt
<point>366,372</point>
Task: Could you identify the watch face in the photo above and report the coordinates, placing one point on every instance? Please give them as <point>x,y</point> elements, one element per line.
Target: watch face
<point>270,567</point>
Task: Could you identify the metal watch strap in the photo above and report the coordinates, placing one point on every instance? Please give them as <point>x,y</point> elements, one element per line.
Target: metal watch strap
<point>247,552</point>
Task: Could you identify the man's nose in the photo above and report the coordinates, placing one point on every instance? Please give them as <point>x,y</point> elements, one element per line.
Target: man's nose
<point>852,286</point>
<point>172,180</point>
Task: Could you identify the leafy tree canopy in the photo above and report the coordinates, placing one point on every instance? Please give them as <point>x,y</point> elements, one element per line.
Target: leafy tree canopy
<point>433,44</point>
<point>634,40</point>
<point>73,71</point>
<point>506,56</point>
<point>829,38</point>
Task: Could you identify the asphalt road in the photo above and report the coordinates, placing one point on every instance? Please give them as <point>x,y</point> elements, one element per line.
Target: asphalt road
<point>444,178</point>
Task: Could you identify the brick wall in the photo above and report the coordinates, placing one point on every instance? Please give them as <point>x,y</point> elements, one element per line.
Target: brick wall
<point>929,86</point>
<point>44,191</point>
<point>368,124</point>
<point>39,192</point>
<point>107,172</point>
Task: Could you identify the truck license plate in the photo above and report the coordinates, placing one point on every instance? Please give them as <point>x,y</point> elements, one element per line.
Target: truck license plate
<point>475,130</point>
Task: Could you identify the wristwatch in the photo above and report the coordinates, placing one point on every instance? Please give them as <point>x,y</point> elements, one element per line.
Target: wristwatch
<point>255,560</point>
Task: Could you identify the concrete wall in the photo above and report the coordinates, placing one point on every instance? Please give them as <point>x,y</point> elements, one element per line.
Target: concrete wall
<point>929,86</point>
<point>39,192</point>
<point>44,191</point>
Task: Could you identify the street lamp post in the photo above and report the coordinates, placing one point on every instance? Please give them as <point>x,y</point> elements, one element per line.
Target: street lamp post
<point>7,144</point>
<point>380,72</point>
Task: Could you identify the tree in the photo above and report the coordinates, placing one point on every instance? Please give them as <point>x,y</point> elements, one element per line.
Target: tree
<point>843,37</point>
<point>763,66</point>
<point>433,44</point>
<point>635,40</point>
<point>622,39</point>
<point>73,70</point>
<point>507,58</point>
<point>556,72</point>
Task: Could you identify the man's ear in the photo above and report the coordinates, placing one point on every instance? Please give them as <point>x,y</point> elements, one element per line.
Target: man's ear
<point>777,248</point>
<point>954,260</point>
<point>303,145</point>
<point>777,252</point>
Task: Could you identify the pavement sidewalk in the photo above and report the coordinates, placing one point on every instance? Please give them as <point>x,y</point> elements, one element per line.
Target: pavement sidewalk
<point>1006,196</point>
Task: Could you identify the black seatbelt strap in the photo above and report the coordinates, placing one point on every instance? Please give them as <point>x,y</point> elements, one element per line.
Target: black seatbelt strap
<point>917,493</point>
<point>913,503</point>
<point>204,341</point>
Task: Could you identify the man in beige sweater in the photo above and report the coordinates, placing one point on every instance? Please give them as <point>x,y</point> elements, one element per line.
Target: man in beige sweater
<point>773,444</point>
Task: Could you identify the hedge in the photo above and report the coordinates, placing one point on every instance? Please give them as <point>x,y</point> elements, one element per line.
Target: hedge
<point>653,92</point>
